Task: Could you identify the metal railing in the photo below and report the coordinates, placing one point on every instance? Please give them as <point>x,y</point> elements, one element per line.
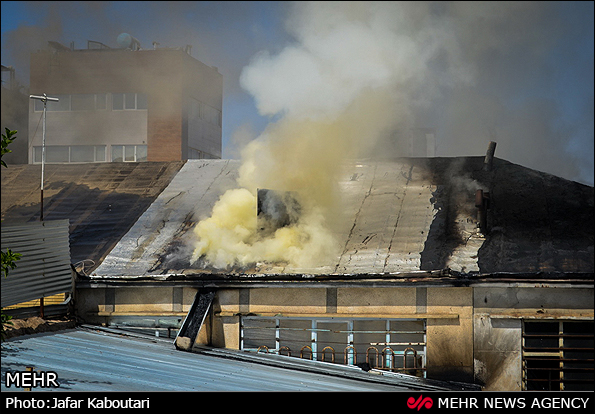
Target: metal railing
<point>403,346</point>
<point>385,359</point>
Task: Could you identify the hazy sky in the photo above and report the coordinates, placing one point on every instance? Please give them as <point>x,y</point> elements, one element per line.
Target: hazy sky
<point>519,72</point>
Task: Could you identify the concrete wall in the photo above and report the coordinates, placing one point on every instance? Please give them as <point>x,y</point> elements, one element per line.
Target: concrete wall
<point>450,340</point>
<point>448,311</point>
<point>498,353</point>
<point>472,334</point>
<point>497,326</point>
<point>102,305</point>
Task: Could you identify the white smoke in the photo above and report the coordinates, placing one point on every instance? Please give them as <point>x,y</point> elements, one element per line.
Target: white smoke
<point>357,72</point>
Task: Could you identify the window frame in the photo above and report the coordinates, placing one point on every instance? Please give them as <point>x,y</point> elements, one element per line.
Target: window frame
<point>137,102</point>
<point>344,352</point>
<point>65,103</point>
<point>37,154</point>
<point>135,152</point>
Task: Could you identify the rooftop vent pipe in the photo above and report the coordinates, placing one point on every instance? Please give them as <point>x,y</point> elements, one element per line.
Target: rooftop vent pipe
<point>482,202</point>
<point>487,162</point>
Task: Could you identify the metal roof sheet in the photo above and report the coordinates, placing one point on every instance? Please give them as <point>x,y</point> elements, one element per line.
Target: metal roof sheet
<point>101,200</point>
<point>399,216</point>
<point>44,268</point>
<point>91,360</point>
<point>406,215</point>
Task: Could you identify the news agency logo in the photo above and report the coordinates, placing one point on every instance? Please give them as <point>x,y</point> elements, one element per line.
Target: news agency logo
<point>420,403</point>
<point>32,379</point>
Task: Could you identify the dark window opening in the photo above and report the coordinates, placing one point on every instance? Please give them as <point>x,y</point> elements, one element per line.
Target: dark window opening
<point>558,355</point>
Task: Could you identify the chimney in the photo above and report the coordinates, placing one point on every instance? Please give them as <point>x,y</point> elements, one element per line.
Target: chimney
<point>482,203</point>
<point>489,158</point>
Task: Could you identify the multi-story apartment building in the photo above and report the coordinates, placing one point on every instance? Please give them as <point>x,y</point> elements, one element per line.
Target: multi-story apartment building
<point>125,104</point>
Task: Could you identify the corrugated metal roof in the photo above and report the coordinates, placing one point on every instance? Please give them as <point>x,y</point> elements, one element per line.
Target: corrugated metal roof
<point>190,196</point>
<point>101,200</point>
<point>407,215</point>
<point>44,267</point>
<point>91,360</point>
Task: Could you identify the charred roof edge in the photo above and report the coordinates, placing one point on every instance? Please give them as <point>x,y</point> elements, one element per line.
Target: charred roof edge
<point>444,277</point>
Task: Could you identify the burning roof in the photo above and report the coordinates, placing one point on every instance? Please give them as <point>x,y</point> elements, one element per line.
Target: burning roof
<point>406,215</point>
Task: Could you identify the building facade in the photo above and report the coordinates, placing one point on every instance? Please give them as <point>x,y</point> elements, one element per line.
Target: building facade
<point>124,105</point>
<point>507,305</point>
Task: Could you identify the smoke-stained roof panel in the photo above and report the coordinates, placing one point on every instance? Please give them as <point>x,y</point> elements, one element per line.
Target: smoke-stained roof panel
<point>162,232</point>
<point>405,215</point>
<point>391,221</point>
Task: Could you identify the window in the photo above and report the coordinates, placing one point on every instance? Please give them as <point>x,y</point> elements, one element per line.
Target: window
<point>63,104</point>
<point>558,355</point>
<point>388,344</point>
<point>141,153</point>
<point>117,153</point>
<point>82,153</point>
<point>129,101</point>
<point>201,111</point>
<point>100,153</point>
<point>259,333</point>
<point>57,153</point>
<point>74,102</point>
<point>73,153</point>
<point>141,101</point>
<point>211,115</point>
<point>129,153</point>
<point>83,102</point>
<point>101,101</point>
<point>117,101</point>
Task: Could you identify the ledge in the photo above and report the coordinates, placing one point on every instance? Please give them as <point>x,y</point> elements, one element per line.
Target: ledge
<point>343,315</point>
<point>139,313</point>
<point>541,315</point>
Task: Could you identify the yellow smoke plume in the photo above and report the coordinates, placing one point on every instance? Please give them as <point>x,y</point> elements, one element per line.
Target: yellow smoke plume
<point>301,155</point>
<point>304,165</point>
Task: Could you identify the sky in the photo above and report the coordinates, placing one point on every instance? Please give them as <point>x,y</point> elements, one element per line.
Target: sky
<point>518,73</point>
